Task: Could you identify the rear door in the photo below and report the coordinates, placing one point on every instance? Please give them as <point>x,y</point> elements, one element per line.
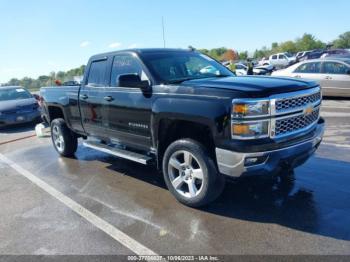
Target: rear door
<point>127,110</point>
<point>335,79</point>
<point>91,98</point>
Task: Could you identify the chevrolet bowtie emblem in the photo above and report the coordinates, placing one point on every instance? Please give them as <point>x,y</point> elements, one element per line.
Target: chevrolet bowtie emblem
<point>308,110</point>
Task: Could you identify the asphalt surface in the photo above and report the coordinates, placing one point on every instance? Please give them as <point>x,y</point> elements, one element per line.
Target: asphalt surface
<point>307,212</point>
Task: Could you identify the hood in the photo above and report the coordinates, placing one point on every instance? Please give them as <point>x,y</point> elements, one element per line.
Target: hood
<point>254,86</point>
<point>13,104</point>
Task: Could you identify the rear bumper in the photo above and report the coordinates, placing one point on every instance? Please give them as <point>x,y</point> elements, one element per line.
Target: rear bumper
<point>237,164</point>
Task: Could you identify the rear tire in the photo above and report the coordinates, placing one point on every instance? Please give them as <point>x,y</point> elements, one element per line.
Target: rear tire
<point>190,173</point>
<point>63,139</point>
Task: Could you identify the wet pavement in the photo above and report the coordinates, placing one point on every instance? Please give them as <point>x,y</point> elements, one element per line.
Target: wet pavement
<point>305,212</point>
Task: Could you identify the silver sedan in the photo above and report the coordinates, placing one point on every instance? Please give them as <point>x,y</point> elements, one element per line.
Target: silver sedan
<point>333,74</point>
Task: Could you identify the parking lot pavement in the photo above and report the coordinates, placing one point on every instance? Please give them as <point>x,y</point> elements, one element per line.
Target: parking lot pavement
<point>11,133</point>
<point>307,212</point>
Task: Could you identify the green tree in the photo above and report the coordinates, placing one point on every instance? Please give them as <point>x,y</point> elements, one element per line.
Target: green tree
<point>308,42</point>
<point>343,41</point>
<point>243,55</point>
<point>288,46</point>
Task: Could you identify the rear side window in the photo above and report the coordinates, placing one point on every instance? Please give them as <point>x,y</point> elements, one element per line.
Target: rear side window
<point>309,68</point>
<point>125,64</point>
<point>335,68</point>
<point>97,73</point>
<point>274,57</point>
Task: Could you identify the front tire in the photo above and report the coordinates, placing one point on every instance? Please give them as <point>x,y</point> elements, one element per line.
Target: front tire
<point>63,139</point>
<point>190,173</point>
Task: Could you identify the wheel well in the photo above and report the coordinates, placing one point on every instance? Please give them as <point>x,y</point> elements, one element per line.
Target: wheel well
<point>55,112</point>
<point>170,131</point>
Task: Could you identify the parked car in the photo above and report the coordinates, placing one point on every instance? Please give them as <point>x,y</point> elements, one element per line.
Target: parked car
<point>17,105</point>
<point>241,69</point>
<point>156,106</point>
<point>335,52</point>
<point>332,73</point>
<point>300,56</point>
<point>280,60</point>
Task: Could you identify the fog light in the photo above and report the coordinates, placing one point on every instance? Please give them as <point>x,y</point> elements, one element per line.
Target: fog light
<point>251,161</point>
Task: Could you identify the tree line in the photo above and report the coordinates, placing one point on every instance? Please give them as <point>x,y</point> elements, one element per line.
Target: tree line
<point>47,80</point>
<point>303,43</point>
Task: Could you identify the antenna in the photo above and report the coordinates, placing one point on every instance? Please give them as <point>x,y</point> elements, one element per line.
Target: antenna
<point>163,31</point>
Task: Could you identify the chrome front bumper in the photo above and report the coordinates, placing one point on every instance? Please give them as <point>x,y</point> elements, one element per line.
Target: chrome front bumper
<point>234,164</point>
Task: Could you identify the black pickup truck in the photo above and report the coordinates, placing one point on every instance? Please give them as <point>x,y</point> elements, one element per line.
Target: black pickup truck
<point>187,114</point>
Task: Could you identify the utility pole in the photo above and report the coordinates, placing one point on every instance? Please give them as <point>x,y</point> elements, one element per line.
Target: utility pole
<point>163,31</point>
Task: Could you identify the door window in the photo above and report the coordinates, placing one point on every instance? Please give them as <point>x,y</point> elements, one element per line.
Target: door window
<point>126,64</point>
<point>274,57</point>
<point>281,57</point>
<point>97,73</point>
<point>309,68</point>
<point>335,68</point>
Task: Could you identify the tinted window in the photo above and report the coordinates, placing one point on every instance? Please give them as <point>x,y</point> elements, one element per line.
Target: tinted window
<point>168,67</point>
<point>335,68</point>
<point>125,64</point>
<point>14,94</point>
<point>274,57</point>
<point>97,73</point>
<point>314,67</point>
<point>281,57</point>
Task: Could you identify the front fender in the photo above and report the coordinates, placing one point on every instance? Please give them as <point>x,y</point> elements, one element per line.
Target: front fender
<point>213,113</point>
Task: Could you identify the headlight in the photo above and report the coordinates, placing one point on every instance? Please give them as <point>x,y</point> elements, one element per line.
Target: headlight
<point>250,108</point>
<point>250,130</point>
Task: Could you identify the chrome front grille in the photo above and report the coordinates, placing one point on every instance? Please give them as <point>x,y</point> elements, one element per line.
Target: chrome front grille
<point>294,124</point>
<point>297,102</point>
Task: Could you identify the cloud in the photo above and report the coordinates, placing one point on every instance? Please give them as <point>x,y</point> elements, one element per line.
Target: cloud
<point>115,45</point>
<point>132,45</point>
<point>84,44</point>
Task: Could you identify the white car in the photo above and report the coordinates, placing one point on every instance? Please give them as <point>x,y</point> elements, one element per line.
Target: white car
<point>280,60</point>
<point>241,69</point>
<point>333,74</point>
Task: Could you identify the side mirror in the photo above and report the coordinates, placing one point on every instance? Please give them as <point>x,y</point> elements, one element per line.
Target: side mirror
<point>348,72</point>
<point>133,80</point>
<point>37,97</point>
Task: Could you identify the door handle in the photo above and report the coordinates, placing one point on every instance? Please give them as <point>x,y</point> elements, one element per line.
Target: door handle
<point>297,76</point>
<point>108,98</point>
<point>84,96</point>
<point>328,78</point>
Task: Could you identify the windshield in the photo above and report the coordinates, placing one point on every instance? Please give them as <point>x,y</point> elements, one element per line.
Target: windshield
<point>14,94</point>
<point>174,67</point>
<point>288,54</point>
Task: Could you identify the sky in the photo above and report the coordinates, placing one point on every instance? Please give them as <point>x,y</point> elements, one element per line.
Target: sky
<point>40,36</point>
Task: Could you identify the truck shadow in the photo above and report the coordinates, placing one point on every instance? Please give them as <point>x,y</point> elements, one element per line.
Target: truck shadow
<point>286,200</point>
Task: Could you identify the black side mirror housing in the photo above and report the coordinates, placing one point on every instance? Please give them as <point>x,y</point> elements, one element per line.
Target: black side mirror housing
<point>134,81</point>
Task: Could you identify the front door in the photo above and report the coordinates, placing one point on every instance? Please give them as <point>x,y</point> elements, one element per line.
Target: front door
<point>308,70</point>
<point>127,110</point>
<point>91,98</point>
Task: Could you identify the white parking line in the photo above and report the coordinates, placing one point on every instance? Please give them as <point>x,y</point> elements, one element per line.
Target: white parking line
<point>336,145</point>
<point>110,230</point>
<point>335,114</point>
<point>336,107</point>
